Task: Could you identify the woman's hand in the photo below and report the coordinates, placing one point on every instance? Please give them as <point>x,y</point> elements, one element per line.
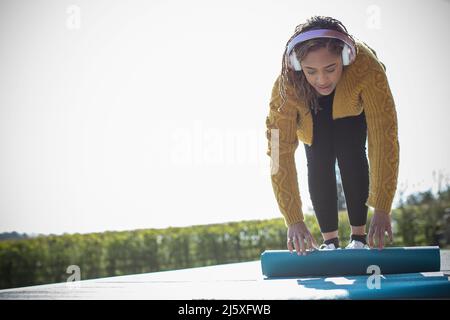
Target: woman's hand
<point>380,224</point>
<point>298,236</point>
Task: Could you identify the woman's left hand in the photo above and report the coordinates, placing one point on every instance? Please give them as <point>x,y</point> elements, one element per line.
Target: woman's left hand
<point>379,225</point>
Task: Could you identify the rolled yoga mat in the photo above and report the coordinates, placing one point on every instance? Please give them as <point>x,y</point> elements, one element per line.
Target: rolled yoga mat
<point>345,262</point>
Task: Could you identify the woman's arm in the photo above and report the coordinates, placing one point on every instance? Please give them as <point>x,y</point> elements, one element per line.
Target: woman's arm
<point>383,142</point>
<point>282,142</point>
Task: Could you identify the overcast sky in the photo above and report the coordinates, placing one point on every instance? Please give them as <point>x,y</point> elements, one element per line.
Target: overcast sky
<point>118,115</point>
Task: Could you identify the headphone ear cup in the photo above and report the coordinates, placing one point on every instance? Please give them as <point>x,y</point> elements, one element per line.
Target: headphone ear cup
<point>294,62</point>
<point>346,55</point>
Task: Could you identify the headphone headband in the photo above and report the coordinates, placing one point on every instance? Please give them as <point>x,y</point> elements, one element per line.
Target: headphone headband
<point>321,33</point>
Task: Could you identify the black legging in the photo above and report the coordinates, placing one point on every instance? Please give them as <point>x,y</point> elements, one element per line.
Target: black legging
<point>344,139</point>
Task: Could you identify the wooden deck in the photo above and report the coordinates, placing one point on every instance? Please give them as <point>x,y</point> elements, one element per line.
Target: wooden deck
<point>239,281</point>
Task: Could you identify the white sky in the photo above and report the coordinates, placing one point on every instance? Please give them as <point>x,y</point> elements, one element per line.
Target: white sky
<point>152,113</point>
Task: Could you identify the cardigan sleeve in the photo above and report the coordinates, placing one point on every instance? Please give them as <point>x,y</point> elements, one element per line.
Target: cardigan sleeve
<point>281,127</point>
<point>383,145</point>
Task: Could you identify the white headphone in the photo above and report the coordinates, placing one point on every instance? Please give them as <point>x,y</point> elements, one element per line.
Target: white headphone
<point>348,52</point>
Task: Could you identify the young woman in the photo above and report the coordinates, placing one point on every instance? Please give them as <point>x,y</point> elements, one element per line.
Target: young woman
<point>333,94</point>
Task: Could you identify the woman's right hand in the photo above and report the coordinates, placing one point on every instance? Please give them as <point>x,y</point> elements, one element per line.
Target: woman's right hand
<point>299,237</point>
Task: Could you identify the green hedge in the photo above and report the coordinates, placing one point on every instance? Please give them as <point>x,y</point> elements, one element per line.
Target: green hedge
<point>44,259</point>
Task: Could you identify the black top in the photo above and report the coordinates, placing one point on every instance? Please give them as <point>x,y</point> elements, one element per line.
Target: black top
<point>326,102</point>
<point>323,120</point>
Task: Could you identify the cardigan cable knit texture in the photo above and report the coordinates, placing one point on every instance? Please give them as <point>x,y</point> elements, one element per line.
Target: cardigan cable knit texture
<point>363,86</point>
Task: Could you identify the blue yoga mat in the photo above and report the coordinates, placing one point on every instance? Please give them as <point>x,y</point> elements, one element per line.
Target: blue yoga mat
<point>344,262</point>
<point>430,285</point>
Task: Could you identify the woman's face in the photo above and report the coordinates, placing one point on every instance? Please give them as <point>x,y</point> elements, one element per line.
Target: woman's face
<point>322,69</point>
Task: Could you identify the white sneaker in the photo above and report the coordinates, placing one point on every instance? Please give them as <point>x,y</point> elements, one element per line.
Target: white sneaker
<point>325,246</point>
<point>355,244</point>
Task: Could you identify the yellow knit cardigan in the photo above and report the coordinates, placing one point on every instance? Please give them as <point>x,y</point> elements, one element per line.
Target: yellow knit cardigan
<point>362,86</point>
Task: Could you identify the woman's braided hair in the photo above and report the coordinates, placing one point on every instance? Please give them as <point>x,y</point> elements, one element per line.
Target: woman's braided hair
<point>303,90</point>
